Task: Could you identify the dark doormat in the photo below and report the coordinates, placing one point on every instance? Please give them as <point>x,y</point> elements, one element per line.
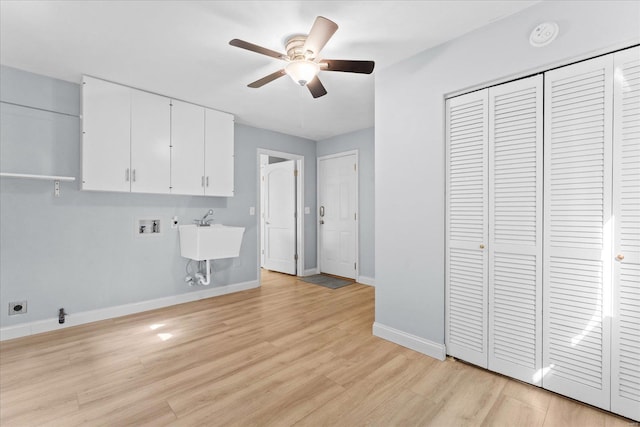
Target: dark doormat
<point>326,281</point>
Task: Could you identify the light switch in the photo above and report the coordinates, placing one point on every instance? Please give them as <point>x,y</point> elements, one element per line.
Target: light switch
<point>307,210</point>
<point>252,210</point>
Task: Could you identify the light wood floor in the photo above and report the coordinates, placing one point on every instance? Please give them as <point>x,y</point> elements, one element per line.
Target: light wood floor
<point>289,353</point>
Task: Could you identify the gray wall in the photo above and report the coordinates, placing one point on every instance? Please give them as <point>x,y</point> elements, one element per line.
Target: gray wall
<point>409,141</point>
<point>254,138</point>
<point>363,141</point>
<point>79,251</point>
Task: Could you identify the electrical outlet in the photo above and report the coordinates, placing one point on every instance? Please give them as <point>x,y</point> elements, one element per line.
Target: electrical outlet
<point>18,307</point>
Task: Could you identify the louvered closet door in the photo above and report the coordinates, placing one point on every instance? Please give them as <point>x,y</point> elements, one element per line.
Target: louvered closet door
<point>466,257</point>
<point>577,231</point>
<point>515,229</point>
<point>625,360</point>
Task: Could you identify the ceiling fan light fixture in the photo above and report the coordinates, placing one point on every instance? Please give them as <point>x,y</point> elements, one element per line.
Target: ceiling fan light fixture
<point>302,71</point>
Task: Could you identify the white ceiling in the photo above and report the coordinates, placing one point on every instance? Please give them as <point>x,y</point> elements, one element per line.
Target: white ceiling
<point>180,49</point>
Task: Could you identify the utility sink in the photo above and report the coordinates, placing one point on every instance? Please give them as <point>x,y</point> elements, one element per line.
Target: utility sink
<point>212,242</point>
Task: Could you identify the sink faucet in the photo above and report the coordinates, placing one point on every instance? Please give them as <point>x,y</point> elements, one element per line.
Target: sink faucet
<point>204,222</point>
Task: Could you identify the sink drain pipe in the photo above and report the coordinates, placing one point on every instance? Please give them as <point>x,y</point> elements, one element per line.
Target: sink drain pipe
<point>198,278</point>
<point>204,279</point>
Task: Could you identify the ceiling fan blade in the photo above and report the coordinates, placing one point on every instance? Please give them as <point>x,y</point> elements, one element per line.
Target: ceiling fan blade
<point>258,49</point>
<point>364,67</point>
<point>316,88</point>
<point>267,79</point>
<point>320,33</point>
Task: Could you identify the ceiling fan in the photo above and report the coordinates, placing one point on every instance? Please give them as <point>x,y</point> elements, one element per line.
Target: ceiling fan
<point>302,57</point>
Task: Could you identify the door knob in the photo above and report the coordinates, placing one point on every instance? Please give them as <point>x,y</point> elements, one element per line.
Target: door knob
<point>620,257</point>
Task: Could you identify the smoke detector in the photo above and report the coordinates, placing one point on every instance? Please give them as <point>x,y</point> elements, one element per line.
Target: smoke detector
<point>543,34</point>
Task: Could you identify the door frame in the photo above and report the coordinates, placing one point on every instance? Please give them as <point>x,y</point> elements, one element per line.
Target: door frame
<point>357,205</point>
<point>299,166</point>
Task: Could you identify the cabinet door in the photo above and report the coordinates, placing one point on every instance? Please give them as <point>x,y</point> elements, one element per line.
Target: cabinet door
<point>515,229</point>
<point>577,231</point>
<point>150,143</point>
<point>466,228</point>
<point>625,359</point>
<point>106,126</point>
<point>218,152</point>
<point>187,149</point>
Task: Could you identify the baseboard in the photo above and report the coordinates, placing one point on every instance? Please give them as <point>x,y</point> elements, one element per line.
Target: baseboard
<point>430,348</point>
<point>75,319</point>
<point>366,280</point>
<point>310,272</point>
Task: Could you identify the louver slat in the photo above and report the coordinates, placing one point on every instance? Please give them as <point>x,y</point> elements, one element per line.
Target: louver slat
<point>577,248</point>
<point>515,215</point>
<point>625,372</point>
<point>466,263</point>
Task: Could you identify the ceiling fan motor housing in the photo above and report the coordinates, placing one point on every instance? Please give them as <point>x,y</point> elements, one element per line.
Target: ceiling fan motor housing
<point>295,48</point>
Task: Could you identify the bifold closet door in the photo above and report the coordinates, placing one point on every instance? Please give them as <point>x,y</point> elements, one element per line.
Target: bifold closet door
<point>466,227</point>
<point>577,231</point>
<point>515,229</point>
<point>625,359</point>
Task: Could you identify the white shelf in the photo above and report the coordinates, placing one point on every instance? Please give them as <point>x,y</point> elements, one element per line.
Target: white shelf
<point>55,178</point>
<point>31,176</point>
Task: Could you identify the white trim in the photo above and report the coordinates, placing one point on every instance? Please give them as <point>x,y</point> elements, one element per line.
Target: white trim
<point>357,204</point>
<point>75,319</point>
<point>364,280</point>
<point>311,271</point>
<point>548,67</point>
<point>299,159</point>
<point>421,345</point>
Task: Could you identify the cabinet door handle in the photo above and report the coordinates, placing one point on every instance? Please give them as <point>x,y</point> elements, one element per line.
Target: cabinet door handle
<point>202,181</point>
<point>481,246</point>
<point>620,257</point>
<point>207,181</point>
<point>133,175</point>
<point>126,175</point>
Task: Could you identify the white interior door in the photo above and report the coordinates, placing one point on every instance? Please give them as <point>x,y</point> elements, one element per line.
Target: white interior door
<point>466,258</point>
<point>625,358</point>
<point>577,231</point>
<point>515,229</point>
<point>279,216</point>
<point>338,214</point>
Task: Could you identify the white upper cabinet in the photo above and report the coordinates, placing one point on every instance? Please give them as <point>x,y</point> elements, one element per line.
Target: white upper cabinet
<point>150,136</point>
<point>136,141</point>
<point>187,149</point>
<point>106,126</point>
<point>218,153</point>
